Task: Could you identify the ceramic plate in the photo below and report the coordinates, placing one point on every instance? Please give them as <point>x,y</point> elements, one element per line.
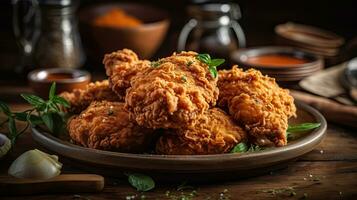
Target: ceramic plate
<point>171,167</point>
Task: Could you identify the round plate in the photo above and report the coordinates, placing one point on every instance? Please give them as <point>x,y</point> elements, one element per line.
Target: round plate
<point>178,167</point>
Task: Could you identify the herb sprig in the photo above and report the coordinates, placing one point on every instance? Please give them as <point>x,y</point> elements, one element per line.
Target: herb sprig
<point>290,133</point>
<point>42,112</point>
<point>212,63</point>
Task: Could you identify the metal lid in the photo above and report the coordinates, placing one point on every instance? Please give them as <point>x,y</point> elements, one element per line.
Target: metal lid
<point>57,2</point>
<point>211,11</point>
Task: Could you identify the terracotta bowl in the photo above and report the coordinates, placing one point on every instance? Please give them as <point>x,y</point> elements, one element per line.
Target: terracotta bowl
<point>66,80</point>
<point>144,39</point>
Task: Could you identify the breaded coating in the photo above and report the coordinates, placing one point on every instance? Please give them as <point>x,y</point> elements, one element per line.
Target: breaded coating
<point>257,103</point>
<point>172,93</point>
<point>215,133</point>
<point>80,99</point>
<point>106,125</point>
<point>121,66</point>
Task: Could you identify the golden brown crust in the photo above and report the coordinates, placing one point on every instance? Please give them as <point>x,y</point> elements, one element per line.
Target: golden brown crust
<point>214,133</point>
<point>258,103</point>
<point>80,99</point>
<point>121,66</point>
<point>106,125</point>
<point>172,93</point>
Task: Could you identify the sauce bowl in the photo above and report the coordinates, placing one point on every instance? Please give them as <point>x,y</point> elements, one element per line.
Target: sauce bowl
<point>40,80</point>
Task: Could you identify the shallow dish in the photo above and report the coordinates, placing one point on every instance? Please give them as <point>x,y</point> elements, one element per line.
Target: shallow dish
<point>288,72</point>
<point>169,167</point>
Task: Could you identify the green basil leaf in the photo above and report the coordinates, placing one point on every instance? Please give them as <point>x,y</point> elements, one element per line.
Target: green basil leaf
<point>53,106</point>
<point>216,62</point>
<point>5,108</point>
<point>21,116</point>
<point>141,182</point>
<point>240,148</point>
<point>59,125</point>
<point>52,92</point>
<point>35,120</point>
<point>61,101</point>
<point>47,118</point>
<point>35,101</point>
<point>254,148</point>
<point>205,58</point>
<point>302,127</point>
<point>213,72</point>
<point>12,129</point>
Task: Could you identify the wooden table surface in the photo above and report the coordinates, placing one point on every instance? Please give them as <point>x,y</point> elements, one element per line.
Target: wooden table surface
<point>328,172</point>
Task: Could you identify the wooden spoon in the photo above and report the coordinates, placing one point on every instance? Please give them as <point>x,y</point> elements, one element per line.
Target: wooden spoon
<point>66,183</point>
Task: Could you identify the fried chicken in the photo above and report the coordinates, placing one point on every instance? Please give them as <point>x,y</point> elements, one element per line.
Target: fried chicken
<point>121,66</point>
<point>172,93</point>
<point>214,133</point>
<point>106,125</point>
<point>257,103</point>
<point>80,99</point>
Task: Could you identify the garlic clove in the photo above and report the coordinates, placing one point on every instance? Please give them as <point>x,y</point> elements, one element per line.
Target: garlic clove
<point>35,164</point>
<point>5,145</point>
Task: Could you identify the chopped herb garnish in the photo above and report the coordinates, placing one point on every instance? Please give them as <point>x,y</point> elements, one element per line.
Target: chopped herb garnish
<point>189,63</point>
<point>141,182</point>
<point>243,148</point>
<point>212,63</point>
<point>184,79</point>
<point>156,63</point>
<point>110,112</point>
<point>46,112</point>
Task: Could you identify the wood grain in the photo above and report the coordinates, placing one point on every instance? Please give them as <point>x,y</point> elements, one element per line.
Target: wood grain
<point>332,166</point>
<point>65,183</point>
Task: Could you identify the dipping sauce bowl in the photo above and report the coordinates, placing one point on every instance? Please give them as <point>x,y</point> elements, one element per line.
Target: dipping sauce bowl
<point>40,80</point>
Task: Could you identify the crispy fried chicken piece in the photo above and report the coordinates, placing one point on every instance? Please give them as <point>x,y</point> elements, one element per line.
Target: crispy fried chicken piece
<point>80,99</point>
<point>214,133</point>
<point>172,93</point>
<point>106,125</point>
<point>121,66</point>
<point>257,103</point>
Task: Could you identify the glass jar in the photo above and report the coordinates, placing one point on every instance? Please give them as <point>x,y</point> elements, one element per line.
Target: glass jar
<point>58,42</point>
<point>213,29</point>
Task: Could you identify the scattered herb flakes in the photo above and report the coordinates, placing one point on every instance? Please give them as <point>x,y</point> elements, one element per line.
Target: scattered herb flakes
<point>305,196</point>
<point>244,148</point>
<point>189,63</point>
<point>275,192</point>
<point>155,63</point>
<point>184,79</point>
<point>141,182</point>
<point>77,196</point>
<point>110,112</point>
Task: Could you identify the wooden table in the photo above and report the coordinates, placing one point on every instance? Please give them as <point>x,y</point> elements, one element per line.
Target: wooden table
<point>328,172</point>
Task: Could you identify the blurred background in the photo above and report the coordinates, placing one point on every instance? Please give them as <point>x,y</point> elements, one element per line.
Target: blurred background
<point>305,45</point>
<point>258,21</point>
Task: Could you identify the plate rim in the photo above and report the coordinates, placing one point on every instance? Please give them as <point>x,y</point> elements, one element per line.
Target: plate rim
<point>278,154</point>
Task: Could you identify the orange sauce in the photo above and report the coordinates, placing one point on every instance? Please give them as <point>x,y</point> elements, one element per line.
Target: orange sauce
<point>117,18</point>
<point>59,76</point>
<point>276,60</point>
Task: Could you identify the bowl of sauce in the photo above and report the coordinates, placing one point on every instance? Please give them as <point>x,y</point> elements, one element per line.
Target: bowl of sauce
<point>40,80</point>
<point>282,63</point>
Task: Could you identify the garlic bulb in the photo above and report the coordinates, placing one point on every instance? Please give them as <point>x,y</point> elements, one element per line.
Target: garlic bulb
<point>35,164</point>
<point>5,145</point>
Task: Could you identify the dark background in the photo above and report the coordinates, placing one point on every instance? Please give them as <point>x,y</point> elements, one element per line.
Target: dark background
<point>258,21</point>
